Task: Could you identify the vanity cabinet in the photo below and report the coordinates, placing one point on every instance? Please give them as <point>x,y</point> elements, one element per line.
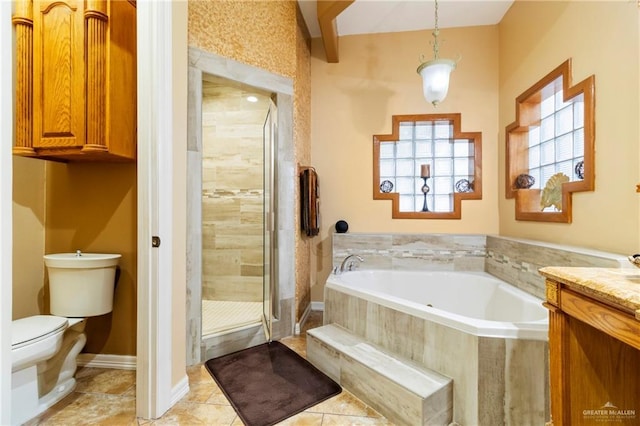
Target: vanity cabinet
<point>594,344</point>
<point>75,79</point>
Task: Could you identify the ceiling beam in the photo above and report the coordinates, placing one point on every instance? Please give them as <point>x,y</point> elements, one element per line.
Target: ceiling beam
<point>328,11</point>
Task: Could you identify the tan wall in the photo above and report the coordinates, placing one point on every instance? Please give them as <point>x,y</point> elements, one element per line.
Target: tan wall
<point>232,192</point>
<point>602,39</point>
<point>355,99</point>
<point>28,236</point>
<point>65,207</point>
<point>237,30</point>
<point>92,207</point>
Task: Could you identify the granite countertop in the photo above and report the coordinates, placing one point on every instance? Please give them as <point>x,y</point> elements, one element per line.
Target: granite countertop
<point>618,286</point>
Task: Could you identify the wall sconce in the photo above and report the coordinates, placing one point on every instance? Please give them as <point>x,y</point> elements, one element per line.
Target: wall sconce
<point>435,73</point>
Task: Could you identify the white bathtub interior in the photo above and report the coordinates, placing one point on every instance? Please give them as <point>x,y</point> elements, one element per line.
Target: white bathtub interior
<point>477,294</point>
<point>472,302</point>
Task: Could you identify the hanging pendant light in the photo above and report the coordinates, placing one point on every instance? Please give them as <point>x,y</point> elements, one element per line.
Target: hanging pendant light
<point>435,73</point>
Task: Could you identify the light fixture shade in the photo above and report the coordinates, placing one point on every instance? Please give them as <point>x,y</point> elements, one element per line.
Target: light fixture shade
<point>435,79</point>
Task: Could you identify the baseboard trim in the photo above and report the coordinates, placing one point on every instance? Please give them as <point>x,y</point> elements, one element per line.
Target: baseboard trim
<point>317,306</point>
<point>119,362</point>
<point>298,327</point>
<point>180,390</point>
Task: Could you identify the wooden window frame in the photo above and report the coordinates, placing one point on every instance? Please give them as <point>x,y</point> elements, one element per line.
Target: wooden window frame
<point>517,158</point>
<point>455,120</point>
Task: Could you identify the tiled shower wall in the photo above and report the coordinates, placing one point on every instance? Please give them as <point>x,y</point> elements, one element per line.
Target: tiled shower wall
<point>232,194</point>
<point>513,260</point>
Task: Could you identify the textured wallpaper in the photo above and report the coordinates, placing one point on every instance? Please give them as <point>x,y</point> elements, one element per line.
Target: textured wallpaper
<point>302,137</point>
<point>259,33</point>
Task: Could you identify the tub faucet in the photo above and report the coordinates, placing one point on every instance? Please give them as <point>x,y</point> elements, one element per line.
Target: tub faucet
<point>348,263</point>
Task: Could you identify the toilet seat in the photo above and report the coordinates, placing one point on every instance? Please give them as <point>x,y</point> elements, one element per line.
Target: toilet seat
<point>29,330</point>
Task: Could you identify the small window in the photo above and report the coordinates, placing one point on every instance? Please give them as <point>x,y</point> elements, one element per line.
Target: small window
<point>550,146</point>
<point>427,166</point>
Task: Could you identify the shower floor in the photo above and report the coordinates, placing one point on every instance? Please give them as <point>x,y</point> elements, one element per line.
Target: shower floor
<point>220,316</point>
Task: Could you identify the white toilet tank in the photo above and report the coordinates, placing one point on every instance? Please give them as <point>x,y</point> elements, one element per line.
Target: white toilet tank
<point>81,284</point>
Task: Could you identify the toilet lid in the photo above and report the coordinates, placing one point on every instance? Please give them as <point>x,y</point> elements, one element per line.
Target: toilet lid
<point>31,329</point>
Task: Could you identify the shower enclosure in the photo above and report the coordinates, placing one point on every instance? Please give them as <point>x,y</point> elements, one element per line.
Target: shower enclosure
<point>236,204</point>
<point>239,293</point>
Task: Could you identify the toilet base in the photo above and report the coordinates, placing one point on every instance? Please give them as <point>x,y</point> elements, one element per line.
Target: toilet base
<point>37,388</point>
<point>24,395</point>
<point>57,394</point>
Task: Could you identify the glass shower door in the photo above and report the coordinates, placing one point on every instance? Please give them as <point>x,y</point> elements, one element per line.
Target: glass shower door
<point>270,135</point>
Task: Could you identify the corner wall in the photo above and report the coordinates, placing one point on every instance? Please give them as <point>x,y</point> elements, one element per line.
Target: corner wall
<point>61,208</point>
<point>602,39</point>
<point>356,98</point>
<point>93,207</point>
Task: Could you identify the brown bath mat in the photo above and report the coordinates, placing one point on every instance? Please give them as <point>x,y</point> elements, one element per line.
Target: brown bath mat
<point>270,382</point>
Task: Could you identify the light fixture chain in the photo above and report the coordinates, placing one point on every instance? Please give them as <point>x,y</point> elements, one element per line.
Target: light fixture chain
<point>436,32</point>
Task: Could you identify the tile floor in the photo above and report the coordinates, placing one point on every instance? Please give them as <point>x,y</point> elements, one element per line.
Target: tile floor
<point>107,397</point>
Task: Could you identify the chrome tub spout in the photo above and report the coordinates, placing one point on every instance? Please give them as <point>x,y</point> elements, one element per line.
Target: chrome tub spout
<point>348,264</point>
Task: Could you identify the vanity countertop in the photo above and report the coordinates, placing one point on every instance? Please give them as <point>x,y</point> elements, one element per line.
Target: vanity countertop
<point>594,342</point>
<point>619,287</point>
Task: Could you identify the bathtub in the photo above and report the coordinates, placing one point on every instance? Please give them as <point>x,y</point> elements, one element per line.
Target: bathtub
<point>473,302</point>
<point>487,335</point>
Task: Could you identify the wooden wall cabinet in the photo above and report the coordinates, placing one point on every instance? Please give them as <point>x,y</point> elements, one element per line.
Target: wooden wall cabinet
<point>75,80</point>
<point>594,356</point>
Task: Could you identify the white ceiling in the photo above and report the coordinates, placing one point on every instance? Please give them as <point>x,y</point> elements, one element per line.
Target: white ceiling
<point>383,16</point>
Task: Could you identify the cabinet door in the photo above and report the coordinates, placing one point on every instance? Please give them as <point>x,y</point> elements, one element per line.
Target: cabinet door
<point>58,74</point>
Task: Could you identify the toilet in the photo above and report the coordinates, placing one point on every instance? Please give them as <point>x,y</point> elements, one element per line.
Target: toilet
<point>44,348</point>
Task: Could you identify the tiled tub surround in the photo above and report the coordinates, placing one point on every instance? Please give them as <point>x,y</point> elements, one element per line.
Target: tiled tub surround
<point>448,252</point>
<point>515,261</point>
<point>518,261</point>
<point>496,380</point>
<point>488,372</point>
